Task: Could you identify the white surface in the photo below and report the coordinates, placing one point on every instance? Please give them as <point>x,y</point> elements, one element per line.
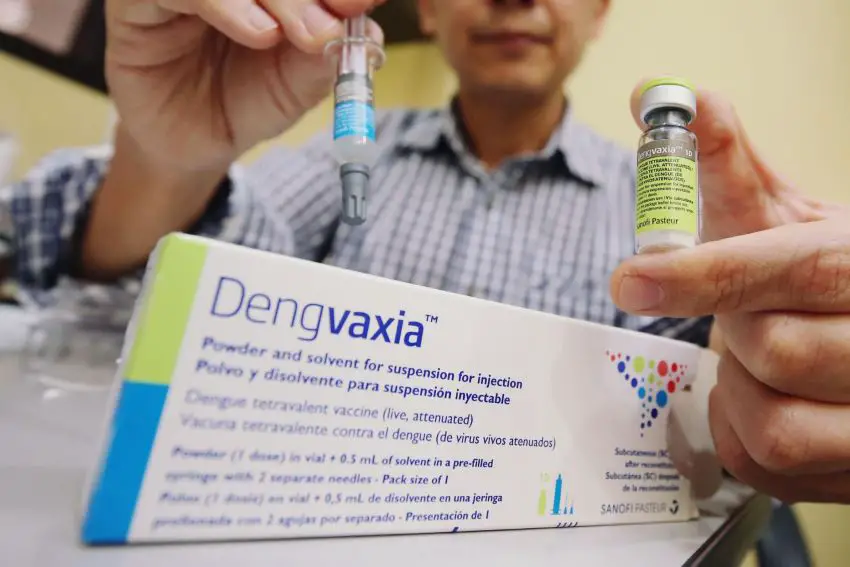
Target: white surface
<point>14,328</point>
<point>47,443</point>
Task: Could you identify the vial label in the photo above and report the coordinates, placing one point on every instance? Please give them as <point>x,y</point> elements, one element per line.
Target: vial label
<point>667,197</point>
<point>354,109</point>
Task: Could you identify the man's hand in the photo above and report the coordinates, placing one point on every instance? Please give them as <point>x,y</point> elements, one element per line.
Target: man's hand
<point>774,269</point>
<point>198,82</point>
<point>780,413</point>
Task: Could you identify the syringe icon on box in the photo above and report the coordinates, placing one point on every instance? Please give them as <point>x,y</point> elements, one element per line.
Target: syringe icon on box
<point>559,505</point>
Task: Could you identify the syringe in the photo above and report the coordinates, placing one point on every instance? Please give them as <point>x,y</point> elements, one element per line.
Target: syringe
<point>357,57</point>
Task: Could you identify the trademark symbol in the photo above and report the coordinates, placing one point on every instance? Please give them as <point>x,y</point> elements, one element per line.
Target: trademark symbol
<point>431,318</point>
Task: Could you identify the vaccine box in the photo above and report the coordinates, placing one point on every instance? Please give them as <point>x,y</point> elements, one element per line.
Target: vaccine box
<point>265,397</point>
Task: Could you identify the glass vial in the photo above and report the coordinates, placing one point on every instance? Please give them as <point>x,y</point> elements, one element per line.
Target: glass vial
<point>667,192</point>
<point>356,57</point>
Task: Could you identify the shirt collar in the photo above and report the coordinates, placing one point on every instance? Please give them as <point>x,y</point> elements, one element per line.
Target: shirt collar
<point>572,144</point>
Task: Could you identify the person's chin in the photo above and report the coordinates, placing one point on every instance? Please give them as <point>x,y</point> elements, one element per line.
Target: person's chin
<point>521,87</point>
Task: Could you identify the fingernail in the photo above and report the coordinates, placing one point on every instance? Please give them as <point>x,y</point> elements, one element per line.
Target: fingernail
<point>640,294</point>
<point>317,21</point>
<point>260,19</point>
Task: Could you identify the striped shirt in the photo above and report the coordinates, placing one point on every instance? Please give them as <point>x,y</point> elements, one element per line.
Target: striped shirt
<point>543,231</point>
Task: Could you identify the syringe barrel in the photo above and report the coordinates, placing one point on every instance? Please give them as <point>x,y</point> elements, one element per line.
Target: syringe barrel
<point>355,50</point>
<point>356,27</point>
<point>354,106</point>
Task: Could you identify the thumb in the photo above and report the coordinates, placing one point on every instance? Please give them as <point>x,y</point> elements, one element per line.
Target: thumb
<point>736,185</point>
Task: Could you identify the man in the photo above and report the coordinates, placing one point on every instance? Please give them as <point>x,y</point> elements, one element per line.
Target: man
<point>502,195</point>
<point>538,218</point>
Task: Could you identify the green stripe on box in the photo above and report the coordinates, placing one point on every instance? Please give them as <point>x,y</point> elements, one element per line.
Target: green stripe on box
<point>163,321</point>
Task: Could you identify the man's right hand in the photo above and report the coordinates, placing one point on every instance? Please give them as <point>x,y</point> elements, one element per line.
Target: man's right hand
<point>199,82</point>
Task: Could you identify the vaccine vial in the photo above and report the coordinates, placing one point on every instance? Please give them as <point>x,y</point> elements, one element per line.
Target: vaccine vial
<point>356,57</point>
<point>667,193</point>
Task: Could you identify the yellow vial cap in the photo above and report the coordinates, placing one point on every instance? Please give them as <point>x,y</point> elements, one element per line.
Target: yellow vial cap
<point>668,92</point>
<point>667,81</point>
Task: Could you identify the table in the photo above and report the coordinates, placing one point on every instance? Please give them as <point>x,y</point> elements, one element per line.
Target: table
<point>48,440</point>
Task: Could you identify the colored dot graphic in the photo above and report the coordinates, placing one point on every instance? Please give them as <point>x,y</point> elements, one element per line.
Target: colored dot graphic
<point>653,381</point>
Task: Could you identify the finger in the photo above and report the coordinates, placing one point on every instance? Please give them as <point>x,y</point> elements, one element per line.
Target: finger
<point>834,488</point>
<point>803,267</point>
<point>375,32</point>
<point>141,12</point>
<point>308,24</point>
<point>311,24</point>
<point>782,434</point>
<point>243,21</point>
<point>799,354</point>
<point>350,8</point>
<point>690,447</point>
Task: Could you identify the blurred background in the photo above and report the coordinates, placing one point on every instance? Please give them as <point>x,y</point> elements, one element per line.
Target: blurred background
<point>784,63</point>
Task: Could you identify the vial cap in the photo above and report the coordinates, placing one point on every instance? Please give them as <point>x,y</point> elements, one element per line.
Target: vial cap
<point>668,92</point>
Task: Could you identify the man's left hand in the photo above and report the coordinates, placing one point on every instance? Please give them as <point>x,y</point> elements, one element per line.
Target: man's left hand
<point>780,413</point>
<point>774,269</point>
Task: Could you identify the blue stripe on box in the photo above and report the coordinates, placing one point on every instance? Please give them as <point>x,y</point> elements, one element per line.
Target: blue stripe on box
<point>113,500</point>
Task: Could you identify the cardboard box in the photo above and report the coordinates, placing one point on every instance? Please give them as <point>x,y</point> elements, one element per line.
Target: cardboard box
<point>261,396</point>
